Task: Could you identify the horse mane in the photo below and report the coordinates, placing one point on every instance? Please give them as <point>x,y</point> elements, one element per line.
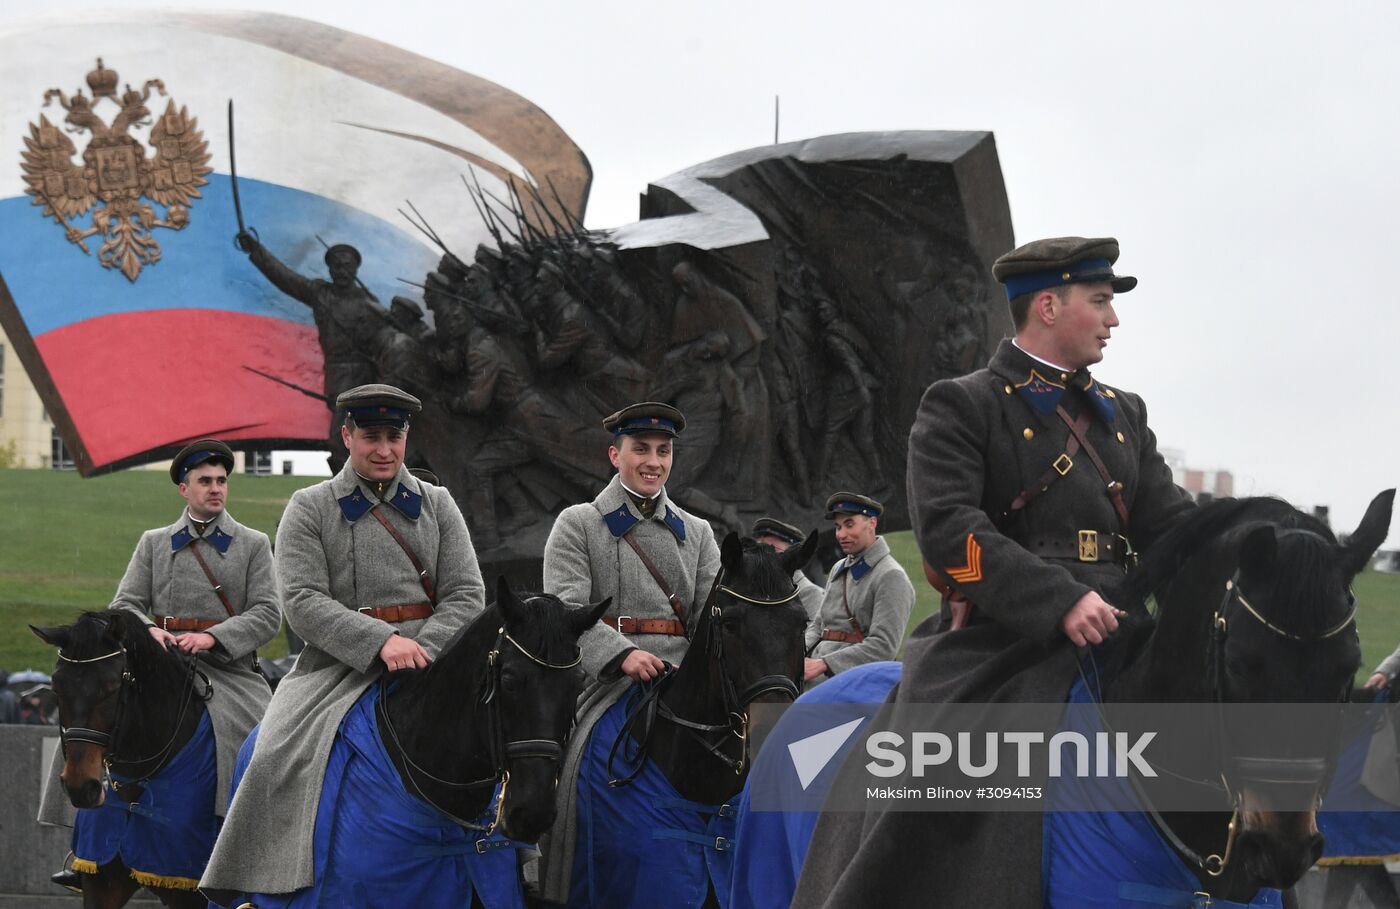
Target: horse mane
<point>761,568</point>
<point>1204,528</point>
<point>91,636</point>
<point>546,616</point>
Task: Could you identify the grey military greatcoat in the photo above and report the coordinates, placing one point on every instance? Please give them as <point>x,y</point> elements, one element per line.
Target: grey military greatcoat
<point>585,560</point>
<point>872,587</point>
<point>164,579</point>
<point>333,557</point>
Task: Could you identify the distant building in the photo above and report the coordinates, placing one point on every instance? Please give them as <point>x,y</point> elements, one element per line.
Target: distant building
<point>1201,483</point>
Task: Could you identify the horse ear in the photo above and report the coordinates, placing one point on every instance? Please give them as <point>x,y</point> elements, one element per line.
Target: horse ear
<point>580,620</point>
<point>58,635</point>
<point>731,552</point>
<point>506,599</point>
<point>1369,534</point>
<point>1259,551</point>
<point>797,557</point>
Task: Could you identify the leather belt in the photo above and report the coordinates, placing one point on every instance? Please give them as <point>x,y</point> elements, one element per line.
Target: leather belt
<point>845,637</point>
<point>405,613</point>
<point>175,623</point>
<point>628,625</point>
<point>1081,546</point>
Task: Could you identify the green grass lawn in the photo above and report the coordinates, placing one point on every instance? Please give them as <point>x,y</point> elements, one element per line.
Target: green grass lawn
<point>65,541</point>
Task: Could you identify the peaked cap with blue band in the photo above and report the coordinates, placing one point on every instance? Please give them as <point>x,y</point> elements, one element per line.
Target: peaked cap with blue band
<point>1058,261</point>
<point>647,416</point>
<point>772,527</point>
<point>852,503</point>
<point>378,405</point>
<point>200,452</point>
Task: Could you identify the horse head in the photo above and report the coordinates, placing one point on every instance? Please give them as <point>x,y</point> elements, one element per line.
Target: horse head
<point>756,623</point>
<point>1289,637</point>
<point>536,681</point>
<point>1260,594</point>
<point>92,683</point>
<point>747,649</point>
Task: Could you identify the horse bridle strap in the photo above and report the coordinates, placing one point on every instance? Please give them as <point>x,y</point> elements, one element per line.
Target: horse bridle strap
<point>500,750</point>
<point>1232,589</point>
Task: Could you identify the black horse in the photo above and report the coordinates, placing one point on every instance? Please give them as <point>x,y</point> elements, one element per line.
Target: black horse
<point>516,669</point>
<point>1254,605</point>
<point>126,707</point>
<point>485,722</point>
<point>693,725</point>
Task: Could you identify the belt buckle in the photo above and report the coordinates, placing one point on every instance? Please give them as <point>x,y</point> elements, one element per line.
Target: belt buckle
<point>626,618</point>
<point>1064,460</point>
<point>1088,545</point>
<point>165,622</point>
<point>365,610</point>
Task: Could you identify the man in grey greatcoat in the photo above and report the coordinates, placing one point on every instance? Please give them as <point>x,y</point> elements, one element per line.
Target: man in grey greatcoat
<point>590,556</point>
<point>782,536</point>
<point>351,590</point>
<point>868,597</point>
<point>1030,482</point>
<point>170,585</point>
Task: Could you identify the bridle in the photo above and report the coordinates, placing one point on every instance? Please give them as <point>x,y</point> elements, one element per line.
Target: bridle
<point>105,740</point>
<point>713,737</point>
<point>1238,770</point>
<point>499,750</point>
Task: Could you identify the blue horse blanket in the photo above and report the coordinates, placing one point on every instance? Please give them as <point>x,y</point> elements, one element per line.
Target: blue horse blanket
<point>377,846</point>
<point>773,844</point>
<point>641,845</point>
<point>166,835</point>
<point>1113,858</point>
<point>1357,827</point>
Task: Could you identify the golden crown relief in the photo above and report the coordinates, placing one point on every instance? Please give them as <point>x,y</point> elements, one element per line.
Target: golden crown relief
<point>115,176</point>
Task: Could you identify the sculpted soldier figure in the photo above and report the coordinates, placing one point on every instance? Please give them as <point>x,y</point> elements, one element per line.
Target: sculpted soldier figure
<point>346,315</point>
<point>657,563</point>
<point>205,585</point>
<point>1030,482</point>
<point>781,536</point>
<point>868,597</point>
<point>348,557</point>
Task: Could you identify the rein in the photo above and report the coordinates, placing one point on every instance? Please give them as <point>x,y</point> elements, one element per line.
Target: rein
<point>1301,770</point>
<point>712,737</point>
<point>105,740</point>
<point>497,747</point>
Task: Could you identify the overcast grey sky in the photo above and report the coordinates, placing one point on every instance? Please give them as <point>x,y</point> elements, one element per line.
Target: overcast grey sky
<point>1243,153</point>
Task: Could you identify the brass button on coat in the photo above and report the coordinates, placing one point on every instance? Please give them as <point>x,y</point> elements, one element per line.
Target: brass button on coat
<point>1120,437</point>
<point>1028,433</point>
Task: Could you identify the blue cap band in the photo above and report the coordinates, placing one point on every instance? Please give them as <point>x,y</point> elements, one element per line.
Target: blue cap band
<point>378,415</point>
<point>1081,271</point>
<point>855,508</point>
<point>194,460</point>
<point>645,424</point>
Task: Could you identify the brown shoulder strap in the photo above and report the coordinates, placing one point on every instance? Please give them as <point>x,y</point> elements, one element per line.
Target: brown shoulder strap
<point>423,577</point>
<point>218,588</point>
<point>1115,489</point>
<point>1059,468</point>
<point>846,604</point>
<point>656,576</point>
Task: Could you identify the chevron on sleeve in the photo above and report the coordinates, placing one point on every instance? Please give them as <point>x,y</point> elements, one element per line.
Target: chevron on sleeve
<point>971,572</point>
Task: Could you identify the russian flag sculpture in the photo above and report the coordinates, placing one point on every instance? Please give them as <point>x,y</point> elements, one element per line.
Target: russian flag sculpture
<point>141,323</point>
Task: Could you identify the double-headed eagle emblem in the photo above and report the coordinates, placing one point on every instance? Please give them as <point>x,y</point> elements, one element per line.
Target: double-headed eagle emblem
<point>115,175</point>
